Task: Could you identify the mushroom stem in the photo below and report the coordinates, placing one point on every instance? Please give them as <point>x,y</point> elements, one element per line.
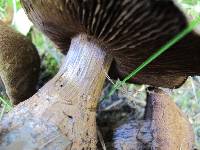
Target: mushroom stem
<point>66,106</point>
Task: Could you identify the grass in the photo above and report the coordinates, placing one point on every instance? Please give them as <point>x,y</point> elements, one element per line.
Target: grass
<point>6,106</point>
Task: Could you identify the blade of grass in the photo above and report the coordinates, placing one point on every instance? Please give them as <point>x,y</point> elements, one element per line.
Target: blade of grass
<point>2,112</point>
<point>15,11</point>
<point>168,45</point>
<point>6,103</point>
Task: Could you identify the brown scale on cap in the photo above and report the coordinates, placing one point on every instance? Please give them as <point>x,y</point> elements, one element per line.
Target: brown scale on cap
<point>129,30</point>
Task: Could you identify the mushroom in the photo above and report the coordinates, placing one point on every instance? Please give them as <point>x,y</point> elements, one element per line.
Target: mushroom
<point>164,127</point>
<point>99,33</point>
<point>129,31</point>
<point>19,64</point>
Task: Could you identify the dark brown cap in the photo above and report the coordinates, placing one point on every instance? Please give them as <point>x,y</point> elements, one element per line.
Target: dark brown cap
<point>19,64</point>
<point>129,30</point>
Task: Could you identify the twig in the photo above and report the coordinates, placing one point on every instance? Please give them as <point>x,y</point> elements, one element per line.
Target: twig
<point>101,139</point>
<point>194,89</point>
<point>48,142</point>
<point>196,116</point>
<point>114,104</point>
<point>108,77</point>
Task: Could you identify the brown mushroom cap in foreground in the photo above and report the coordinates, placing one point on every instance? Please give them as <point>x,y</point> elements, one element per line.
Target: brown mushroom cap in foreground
<point>19,64</point>
<point>130,31</point>
<point>164,127</point>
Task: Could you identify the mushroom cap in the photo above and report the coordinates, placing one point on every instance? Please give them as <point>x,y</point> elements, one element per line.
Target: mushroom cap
<point>171,128</point>
<point>164,127</point>
<point>129,30</point>
<point>19,64</point>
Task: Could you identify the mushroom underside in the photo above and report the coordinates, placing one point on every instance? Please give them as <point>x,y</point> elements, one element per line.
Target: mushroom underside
<point>129,31</point>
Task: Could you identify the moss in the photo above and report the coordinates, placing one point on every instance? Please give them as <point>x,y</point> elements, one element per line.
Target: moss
<point>19,64</point>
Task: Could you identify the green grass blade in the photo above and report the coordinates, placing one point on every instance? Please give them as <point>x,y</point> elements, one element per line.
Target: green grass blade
<point>6,103</point>
<point>2,112</point>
